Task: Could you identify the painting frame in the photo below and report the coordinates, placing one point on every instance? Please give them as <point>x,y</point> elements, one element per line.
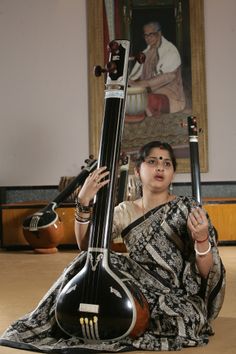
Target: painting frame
<point>95,15</point>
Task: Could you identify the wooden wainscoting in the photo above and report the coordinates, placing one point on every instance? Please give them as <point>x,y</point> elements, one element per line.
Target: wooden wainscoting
<point>223,216</point>
<point>221,211</point>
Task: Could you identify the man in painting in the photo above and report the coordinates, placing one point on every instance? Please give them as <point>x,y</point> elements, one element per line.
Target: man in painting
<point>160,74</point>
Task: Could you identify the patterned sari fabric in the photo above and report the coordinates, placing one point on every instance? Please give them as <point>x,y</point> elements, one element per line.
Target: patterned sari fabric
<point>161,262</point>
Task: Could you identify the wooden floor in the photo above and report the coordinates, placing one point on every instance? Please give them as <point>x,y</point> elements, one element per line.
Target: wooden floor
<point>26,276</point>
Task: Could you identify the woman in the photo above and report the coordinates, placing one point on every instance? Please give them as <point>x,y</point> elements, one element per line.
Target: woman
<point>172,256</point>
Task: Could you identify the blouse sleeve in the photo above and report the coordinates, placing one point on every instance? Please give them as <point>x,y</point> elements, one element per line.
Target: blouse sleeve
<point>121,219</point>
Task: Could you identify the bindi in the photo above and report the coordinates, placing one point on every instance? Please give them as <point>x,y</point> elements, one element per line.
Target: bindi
<point>157,157</point>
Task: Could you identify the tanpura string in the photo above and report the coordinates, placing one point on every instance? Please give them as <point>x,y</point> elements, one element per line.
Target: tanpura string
<point>95,260</point>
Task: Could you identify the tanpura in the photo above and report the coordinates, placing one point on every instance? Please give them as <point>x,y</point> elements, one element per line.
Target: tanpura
<point>101,303</point>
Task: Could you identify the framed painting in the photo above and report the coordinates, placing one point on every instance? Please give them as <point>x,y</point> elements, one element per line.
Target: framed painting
<point>182,24</point>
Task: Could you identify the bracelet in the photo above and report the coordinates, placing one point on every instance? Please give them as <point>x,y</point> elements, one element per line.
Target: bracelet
<point>81,218</point>
<point>82,222</point>
<point>201,241</point>
<point>83,208</point>
<point>201,253</point>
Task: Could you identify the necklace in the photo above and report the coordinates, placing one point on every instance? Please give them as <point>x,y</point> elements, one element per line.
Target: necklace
<point>144,211</point>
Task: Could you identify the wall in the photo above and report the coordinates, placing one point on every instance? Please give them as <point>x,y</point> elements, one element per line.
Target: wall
<point>44,98</point>
<point>43,90</point>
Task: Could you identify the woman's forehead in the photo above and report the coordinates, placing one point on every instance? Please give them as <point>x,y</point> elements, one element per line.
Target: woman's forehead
<point>158,152</point>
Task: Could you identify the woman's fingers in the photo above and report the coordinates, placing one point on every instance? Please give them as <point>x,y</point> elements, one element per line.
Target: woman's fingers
<point>96,180</point>
<point>98,176</point>
<point>197,217</point>
<point>198,224</point>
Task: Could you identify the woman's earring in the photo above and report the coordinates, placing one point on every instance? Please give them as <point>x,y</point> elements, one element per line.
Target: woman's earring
<point>171,188</point>
<point>139,187</point>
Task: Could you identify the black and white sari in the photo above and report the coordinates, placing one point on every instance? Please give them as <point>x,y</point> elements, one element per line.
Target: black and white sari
<point>161,260</point>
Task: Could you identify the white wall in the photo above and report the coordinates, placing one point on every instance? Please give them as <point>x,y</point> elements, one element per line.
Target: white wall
<point>43,90</point>
<point>44,98</point>
<point>220,23</point>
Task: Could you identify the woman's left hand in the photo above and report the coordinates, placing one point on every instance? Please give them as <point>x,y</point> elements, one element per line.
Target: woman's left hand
<point>198,224</point>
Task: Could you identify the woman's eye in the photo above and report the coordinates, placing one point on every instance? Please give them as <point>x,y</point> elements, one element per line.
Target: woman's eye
<point>168,164</point>
<point>151,161</point>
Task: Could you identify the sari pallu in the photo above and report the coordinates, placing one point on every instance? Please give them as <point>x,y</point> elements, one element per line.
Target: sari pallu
<point>182,303</point>
<point>161,261</point>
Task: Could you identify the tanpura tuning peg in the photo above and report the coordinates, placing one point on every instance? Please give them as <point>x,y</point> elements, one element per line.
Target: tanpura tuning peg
<point>184,123</point>
<point>113,47</point>
<point>98,70</point>
<point>110,68</point>
<point>91,157</point>
<point>140,57</point>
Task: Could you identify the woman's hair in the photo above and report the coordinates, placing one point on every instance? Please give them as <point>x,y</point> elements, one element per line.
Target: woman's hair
<point>145,151</point>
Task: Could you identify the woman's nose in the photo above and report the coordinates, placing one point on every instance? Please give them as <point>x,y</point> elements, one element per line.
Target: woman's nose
<point>159,167</point>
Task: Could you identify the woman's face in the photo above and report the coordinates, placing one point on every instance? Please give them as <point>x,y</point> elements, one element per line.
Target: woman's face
<point>151,36</point>
<point>156,171</point>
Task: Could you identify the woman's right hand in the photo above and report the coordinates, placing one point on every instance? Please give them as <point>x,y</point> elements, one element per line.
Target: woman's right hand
<point>95,181</point>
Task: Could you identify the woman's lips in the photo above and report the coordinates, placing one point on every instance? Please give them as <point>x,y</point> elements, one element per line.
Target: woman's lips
<point>159,177</point>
